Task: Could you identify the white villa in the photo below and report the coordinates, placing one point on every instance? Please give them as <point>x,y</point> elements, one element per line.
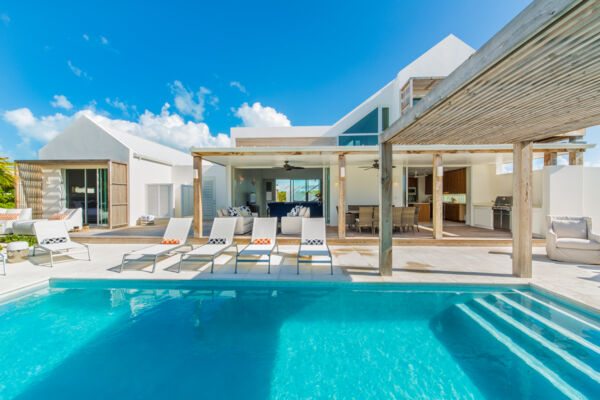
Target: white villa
<point>332,168</point>
<point>116,177</point>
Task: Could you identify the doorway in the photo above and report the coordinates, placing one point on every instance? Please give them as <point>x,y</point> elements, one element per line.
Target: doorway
<point>88,189</point>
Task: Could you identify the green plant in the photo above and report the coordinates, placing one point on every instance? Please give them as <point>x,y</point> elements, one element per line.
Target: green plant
<point>7,197</point>
<point>18,238</point>
<point>7,172</point>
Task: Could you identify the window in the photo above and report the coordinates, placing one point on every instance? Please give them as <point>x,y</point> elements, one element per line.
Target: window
<point>298,190</point>
<point>358,140</point>
<point>368,124</point>
<point>159,200</point>
<point>385,118</point>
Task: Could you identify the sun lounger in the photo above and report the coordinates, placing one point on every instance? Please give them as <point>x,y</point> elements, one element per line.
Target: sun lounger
<point>174,238</point>
<point>264,240</point>
<point>220,239</point>
<point>313,243</point>
<point>53,237</point>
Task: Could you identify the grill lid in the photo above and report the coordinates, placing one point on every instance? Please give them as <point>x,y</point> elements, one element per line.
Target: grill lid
<point>503,201</point>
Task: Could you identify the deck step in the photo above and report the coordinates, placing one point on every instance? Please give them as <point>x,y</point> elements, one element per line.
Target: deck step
<point>530,360</point>
<point>545,321</point>
<point>565,312</point>
<point>566,356</point>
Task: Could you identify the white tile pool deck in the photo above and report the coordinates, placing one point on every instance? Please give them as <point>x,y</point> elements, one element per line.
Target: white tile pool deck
<point>412,264</point>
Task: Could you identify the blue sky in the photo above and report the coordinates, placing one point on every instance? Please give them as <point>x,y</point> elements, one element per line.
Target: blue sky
<point>184,72</point>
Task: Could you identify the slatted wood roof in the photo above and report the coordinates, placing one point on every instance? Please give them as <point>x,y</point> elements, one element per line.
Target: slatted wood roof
<point>536,78</point>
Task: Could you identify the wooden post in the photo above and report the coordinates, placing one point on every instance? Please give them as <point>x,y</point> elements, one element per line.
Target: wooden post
<point>385,209</point>
<point>438,181</point>
<point>197,196</point>
<point>18,200</point>
<point>109,193</point>
<point>550,158</point>
<point>522,208</point>
<point>342,196</point>
<point>575,158</point>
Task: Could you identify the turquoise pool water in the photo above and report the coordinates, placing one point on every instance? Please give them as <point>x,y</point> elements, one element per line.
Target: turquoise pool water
<point>250,341</point>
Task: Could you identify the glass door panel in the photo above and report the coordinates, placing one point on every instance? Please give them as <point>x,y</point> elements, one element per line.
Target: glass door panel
<point>103,196</point>
<point>75,184</point>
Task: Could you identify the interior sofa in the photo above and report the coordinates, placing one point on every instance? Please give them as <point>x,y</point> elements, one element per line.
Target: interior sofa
<point>245,218</point>
<point>571,239</point>
<point>6,225</point>
<point>291,224</point>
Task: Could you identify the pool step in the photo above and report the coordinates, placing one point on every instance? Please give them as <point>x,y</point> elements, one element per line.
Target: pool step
<point>588,322</point>
<point>544,344</point>
<point>568,390</point>
<point>549,324</point>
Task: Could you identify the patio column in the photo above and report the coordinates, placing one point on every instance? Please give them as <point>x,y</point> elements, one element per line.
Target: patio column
<point>522,208</point>
<point>550,158</point>
<point>197,196</point>
<point>438,191</point>
<point>385,209</point>
<point>575,158</point>
<point>341,196</point>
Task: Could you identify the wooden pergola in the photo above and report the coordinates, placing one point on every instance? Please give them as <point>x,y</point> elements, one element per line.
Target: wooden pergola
<point>536,78</point>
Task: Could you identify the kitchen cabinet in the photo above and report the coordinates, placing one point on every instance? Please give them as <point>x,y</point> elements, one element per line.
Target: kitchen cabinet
<point>424,211</point>
<point>455,212</point>
<point>429,184</point>
<point>455,181</point>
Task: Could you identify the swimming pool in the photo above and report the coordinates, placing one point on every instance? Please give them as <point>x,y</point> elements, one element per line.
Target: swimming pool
<point>117,339</point>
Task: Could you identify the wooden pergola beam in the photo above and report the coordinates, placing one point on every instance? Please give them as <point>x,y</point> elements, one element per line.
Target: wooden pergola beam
<point>341,208</point>
<point>522,208</point>
<point>385,209</point>
<point>438,194</point>
<point>197,196</point>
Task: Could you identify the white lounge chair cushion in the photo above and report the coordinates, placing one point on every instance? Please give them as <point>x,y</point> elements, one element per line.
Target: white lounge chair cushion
<point>313,250</point>
<point>156,250</point>
<point>577,244</point>
<point>62,246</point>
<point>258,249</point>
<point>574,229</point>
<point>208,250</point>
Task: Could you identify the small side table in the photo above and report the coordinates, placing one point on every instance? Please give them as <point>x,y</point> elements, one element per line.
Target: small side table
<point>17,252</point>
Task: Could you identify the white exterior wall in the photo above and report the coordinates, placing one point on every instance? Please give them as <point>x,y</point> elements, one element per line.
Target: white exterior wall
<point>142,173</point>
<point>84,140</point>
<point>362,186</point>
<point>573,190</point>
<point>181,175</point>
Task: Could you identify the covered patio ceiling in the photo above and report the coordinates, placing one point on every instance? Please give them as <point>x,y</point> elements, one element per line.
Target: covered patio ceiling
<point>318,157</point>
<point>538,77</point>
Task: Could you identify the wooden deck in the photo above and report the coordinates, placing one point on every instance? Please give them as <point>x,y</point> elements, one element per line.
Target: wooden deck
<point>455,234</point>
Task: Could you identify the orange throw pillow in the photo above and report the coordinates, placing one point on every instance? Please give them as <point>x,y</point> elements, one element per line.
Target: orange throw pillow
<point>57,216</point>
<point>8,217</point>
<point>262,241</point>
<point>170,241</point>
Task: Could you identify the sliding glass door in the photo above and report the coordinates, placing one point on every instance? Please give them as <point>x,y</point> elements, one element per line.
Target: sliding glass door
<point>88,189</point>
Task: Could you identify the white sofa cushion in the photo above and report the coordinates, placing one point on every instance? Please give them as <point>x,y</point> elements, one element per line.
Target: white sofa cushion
<point>572,229</point>
<point>577,244</point>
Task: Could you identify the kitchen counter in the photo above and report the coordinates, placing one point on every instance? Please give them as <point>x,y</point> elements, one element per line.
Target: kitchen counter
<point>424,211</point>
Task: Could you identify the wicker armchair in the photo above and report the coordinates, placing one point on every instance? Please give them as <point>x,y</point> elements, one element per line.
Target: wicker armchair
<point>365,218</point>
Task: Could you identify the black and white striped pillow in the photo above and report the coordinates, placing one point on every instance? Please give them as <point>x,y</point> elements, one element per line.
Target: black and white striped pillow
<point>217,241</point>
<point>314,241</point>
<point>54,240</point>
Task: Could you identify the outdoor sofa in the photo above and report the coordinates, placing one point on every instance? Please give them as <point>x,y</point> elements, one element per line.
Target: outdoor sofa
<point>571,239</point>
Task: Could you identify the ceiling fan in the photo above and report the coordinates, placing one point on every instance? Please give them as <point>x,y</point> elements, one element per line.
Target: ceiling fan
<point>288,167</point>
<point>375,165</point>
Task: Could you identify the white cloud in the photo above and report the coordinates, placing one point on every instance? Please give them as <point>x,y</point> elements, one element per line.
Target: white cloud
<point>116,103</point>
<point>257,115</point>
<point>86,37</point>
<point>5,18</point>
<point>190,103</point>
<point>239,86</point>
<point>166,127</point>
<point>77,71</point>
<point>60,101</point>
<point>103,40</point>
